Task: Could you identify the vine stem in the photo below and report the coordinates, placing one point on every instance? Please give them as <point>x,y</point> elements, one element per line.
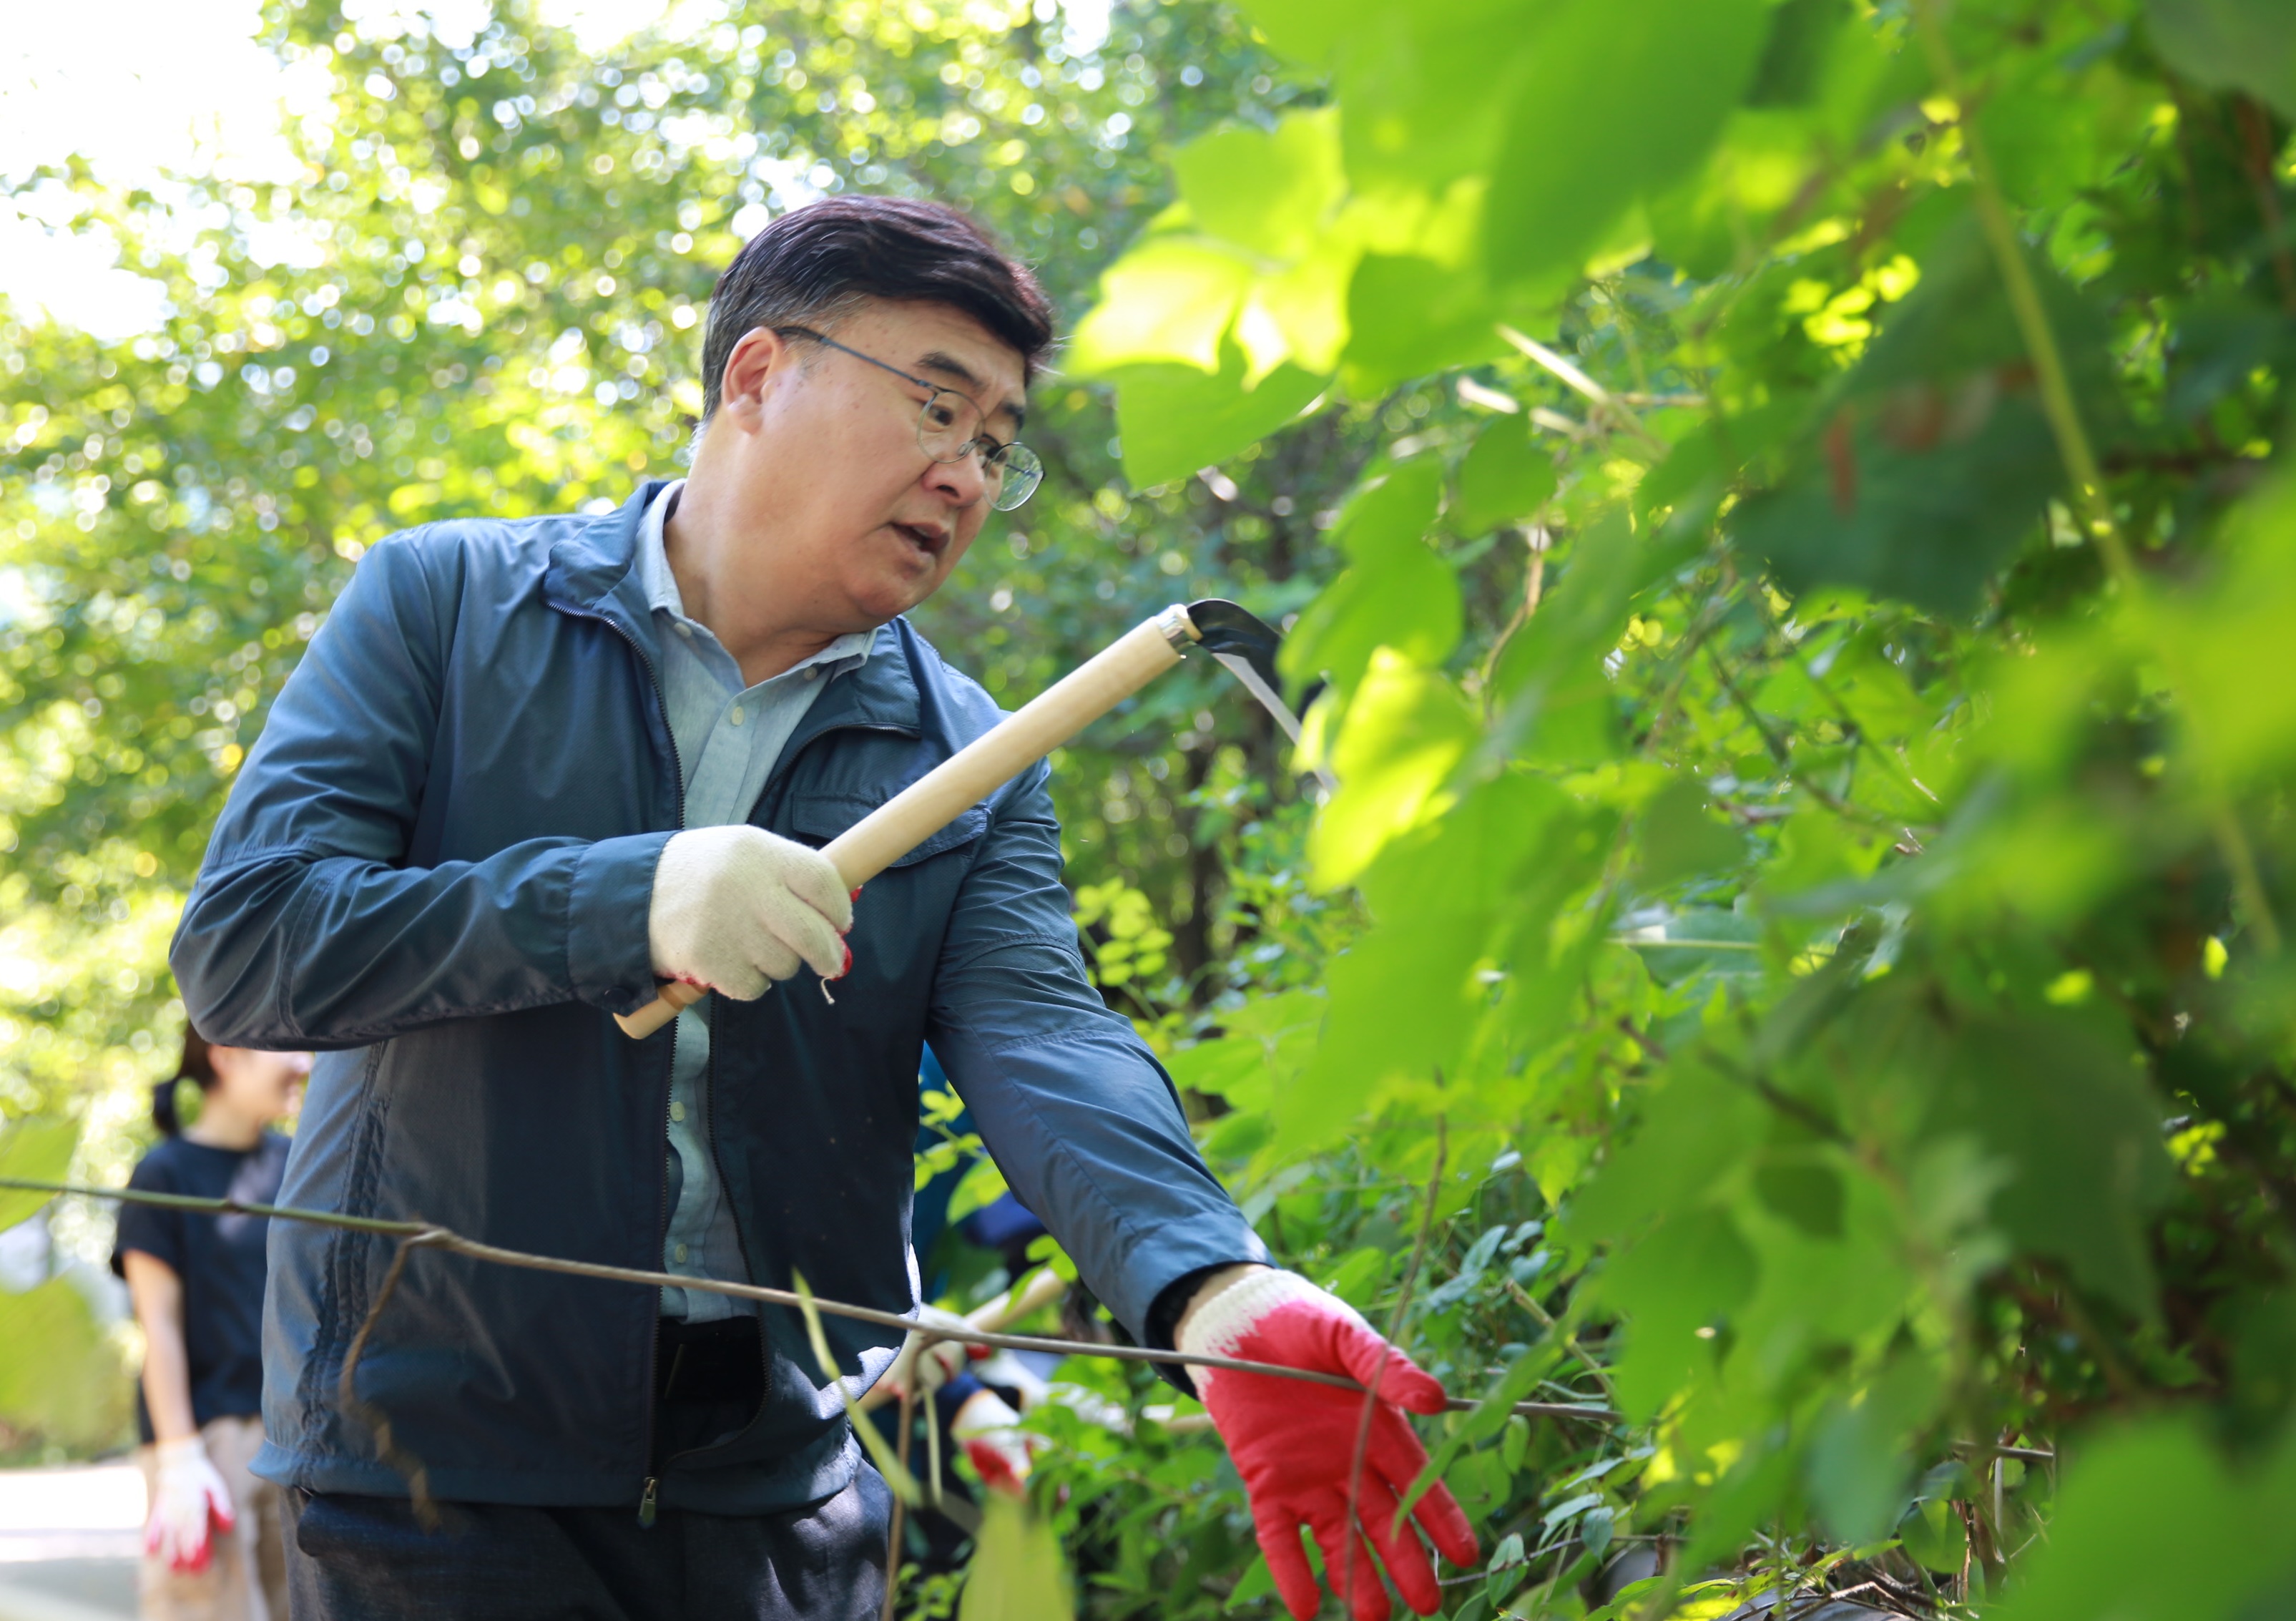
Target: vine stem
<point>2040,338</point>
<point>900,1504</point>
<point>2073,447</point>
<point>1350,1535</point>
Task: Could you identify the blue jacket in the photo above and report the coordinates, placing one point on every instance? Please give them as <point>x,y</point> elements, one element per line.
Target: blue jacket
<point>435,868</point>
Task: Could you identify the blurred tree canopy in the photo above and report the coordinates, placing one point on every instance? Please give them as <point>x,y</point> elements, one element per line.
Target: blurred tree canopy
<point>1787,504</point>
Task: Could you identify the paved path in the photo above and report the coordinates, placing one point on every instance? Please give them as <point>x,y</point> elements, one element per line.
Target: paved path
<point>69,1538</point>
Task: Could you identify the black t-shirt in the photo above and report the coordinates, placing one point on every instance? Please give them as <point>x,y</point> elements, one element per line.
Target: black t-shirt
<point>218,1258</point>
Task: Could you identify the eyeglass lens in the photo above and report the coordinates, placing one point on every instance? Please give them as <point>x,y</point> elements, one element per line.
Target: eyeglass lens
<point>949,427</point>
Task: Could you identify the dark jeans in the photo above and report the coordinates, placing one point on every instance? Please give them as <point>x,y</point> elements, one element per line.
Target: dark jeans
<point>365,1559</point>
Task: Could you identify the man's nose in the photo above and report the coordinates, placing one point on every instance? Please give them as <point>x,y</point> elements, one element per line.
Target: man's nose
<point>964,482</point>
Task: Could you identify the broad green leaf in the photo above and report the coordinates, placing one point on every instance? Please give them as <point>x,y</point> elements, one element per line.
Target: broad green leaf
<point>1700,1126</point>
<point>1308,30</point>
<point>1398,594</point>
<point>1559,702</point>
<point>2159,1485</point>
<point>38,1150</point>
<point>2069,1114</point>
<point>1669,1285</point>
<point>1619,98</point>
<point>1858,1465</point>
<point>1933,461</point>
<point>1424,91</point>
<point>1506,478</point>
<point>1272,192</point>
<point>1170,300</point>
<point>1406,730</point>
<point>2244,44</point>
<point>1676,837</point>
<point>1409,315</point>
<point>1017,1573</point>
<point>1175,419</point>
<point>60,1379</point>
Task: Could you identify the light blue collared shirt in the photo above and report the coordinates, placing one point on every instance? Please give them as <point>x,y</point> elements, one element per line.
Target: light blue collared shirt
<point>728,737</point>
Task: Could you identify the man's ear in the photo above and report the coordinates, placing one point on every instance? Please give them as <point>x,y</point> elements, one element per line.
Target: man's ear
<point>757,359</point>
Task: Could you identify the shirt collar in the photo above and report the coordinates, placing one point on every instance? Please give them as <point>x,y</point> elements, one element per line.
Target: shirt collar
<point>660,586</point>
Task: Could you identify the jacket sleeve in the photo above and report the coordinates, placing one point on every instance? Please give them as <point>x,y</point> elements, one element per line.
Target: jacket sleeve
<point>1081,1119</point>
<point>307,929</point>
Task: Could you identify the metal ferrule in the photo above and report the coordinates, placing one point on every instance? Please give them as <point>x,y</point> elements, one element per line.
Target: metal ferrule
<point>1178,628</point>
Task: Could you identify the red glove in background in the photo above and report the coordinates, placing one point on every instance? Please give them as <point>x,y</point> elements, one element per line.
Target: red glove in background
<point>1294,1443</point>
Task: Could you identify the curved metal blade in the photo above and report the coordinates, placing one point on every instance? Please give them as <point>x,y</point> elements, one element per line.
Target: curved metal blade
<point>1246,645</point>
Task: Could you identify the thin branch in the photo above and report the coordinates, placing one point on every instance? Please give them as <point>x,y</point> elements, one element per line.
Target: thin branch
<point>1609,404</point>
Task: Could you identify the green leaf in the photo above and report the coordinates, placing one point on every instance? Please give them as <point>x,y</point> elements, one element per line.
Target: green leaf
<point>1170,300</point>
<point>1270,191</point>
<point>1933,461</point>
<point>1409,315</point>
<point>1560,706</point>
<point>2239,45</point>
<point>1404,732</point>
<point>2222,1535</point>
<point>1308,30</point>
<point>1398,595</point>
<point>1858,1464</point>
<point>1933,1535</point>
<point>1677,1279</point>
<point>1506,478</point>
<point>1175,419</point>
<point>2064,1108</point>
<point>1676,837</point>
<point>38,1150</point>
<point>1621,96</point>
<point>60,1380</point>
<point>1016,1573</point>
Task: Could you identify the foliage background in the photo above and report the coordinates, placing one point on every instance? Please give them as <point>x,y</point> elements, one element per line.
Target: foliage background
<point>1784,499</point>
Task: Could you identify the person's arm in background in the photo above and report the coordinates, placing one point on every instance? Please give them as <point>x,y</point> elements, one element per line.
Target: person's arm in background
<point>305,929</point>
<point>1088,1131</point>
<point>189,1499</point>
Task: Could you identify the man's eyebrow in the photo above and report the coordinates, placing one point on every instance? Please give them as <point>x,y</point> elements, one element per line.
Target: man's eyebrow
<point>949,365</point>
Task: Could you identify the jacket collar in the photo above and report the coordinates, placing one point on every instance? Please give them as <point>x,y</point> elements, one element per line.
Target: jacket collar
<point>594,572</point>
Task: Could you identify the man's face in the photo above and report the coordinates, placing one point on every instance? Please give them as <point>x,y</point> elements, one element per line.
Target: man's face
<point>824,453</point>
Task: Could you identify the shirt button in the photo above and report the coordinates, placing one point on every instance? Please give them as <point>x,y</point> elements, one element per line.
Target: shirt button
<point>678,1111</point>
<point>736,716</point>
<point>680,1253</point>
<point>812,670</point>
<point>686,631</point>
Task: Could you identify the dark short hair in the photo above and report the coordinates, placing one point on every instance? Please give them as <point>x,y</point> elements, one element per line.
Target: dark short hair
<point>815,263</point>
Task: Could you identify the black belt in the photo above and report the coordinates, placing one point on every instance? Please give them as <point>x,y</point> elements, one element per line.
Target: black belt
<point>721,1361</point>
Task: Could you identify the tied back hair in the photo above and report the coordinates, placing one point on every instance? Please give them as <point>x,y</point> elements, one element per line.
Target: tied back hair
<point>195,1067</point>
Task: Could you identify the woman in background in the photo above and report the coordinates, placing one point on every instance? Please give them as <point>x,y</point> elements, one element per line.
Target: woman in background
<point>211,1545</point>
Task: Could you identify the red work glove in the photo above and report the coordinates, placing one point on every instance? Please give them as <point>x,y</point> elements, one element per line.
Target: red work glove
<point>1294,1443</point>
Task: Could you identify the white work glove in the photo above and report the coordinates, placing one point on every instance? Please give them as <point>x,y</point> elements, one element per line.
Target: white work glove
<point>991,1433</point>
<point>736,908</point>
<point>187,1500</point>
<point>930,1367</point>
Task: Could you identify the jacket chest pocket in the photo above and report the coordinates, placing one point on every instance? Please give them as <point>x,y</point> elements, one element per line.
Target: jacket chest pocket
<point>819,818</point>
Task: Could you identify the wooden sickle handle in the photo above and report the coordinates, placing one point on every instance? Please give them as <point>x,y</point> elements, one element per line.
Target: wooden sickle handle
<point>977,770</point>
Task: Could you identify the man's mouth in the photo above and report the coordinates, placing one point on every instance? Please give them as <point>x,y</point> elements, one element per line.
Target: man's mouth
<point>930,539</point>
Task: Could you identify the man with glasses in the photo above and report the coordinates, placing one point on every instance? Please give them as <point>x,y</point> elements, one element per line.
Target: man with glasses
<point>528,769</point>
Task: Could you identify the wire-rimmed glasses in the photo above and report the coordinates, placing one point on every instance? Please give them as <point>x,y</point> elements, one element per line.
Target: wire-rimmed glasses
<point>949,428</point>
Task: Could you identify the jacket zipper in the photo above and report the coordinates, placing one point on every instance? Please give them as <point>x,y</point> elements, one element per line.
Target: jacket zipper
<point>662,1196</point>
<point>649,1497</point>
<point>709,1120</point>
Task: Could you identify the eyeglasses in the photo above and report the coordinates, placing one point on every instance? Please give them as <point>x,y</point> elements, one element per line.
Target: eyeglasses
<point>949,430</point>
